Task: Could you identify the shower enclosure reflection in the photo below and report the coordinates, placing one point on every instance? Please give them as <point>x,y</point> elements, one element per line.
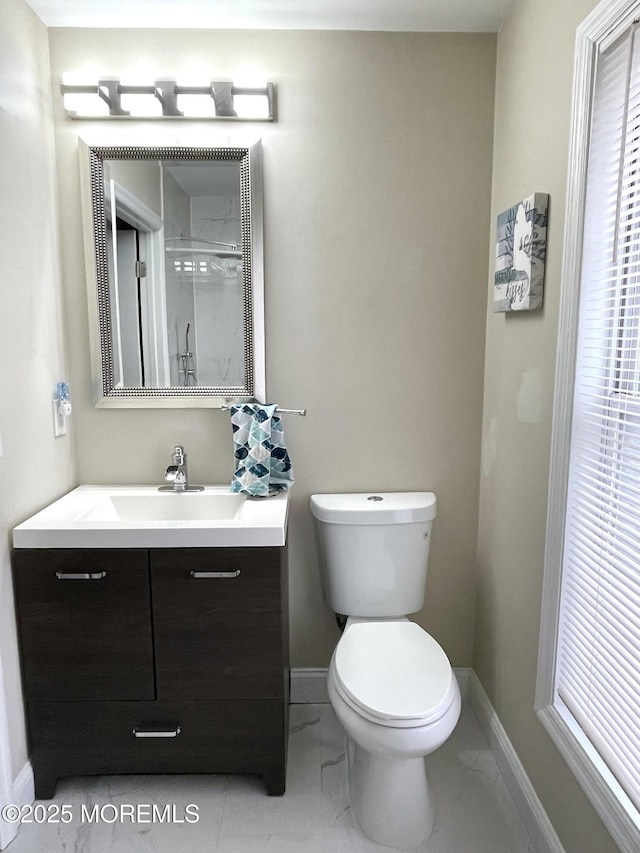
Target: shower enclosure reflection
<point>178,274</point>
<point>170,321</point>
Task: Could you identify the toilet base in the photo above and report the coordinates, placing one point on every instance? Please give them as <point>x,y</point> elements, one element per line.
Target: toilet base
<point>389,797</point>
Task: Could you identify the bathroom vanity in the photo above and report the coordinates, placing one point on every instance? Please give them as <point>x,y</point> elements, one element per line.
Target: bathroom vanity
<point>153,660</point>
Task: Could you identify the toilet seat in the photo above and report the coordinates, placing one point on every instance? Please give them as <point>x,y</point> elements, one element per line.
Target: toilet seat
<point>393,673</point>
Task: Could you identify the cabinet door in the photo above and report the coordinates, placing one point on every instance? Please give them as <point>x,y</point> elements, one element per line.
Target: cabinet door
<point>217,623</point>
<point>84,624</point>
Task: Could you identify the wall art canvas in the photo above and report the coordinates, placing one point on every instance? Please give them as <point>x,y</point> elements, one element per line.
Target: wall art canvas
<point>521,244</point>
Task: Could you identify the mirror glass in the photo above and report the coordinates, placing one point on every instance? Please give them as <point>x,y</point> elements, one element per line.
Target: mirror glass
<point>177,284</point>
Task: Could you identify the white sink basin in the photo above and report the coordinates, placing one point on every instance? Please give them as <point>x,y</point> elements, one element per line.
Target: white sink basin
<point>163,506</point>
<point>143,517</point>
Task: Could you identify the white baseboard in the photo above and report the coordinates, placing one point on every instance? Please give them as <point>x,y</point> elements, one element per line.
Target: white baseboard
<point>531,811</point>
<point>23,794</point>
<point>463,674</point>
<point>23,787</point>
<point>308,686</point>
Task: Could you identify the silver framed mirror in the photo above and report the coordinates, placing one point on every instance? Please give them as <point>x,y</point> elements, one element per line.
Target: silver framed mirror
<point>174,251</point>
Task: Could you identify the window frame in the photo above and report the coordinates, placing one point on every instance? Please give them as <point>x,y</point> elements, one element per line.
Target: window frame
<point>605,24</point>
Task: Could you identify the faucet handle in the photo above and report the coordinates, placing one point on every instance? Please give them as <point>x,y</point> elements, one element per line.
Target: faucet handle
<point>179,455</point>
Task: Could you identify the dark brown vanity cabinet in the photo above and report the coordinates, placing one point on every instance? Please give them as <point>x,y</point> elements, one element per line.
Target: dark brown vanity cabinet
<point>154,661</point>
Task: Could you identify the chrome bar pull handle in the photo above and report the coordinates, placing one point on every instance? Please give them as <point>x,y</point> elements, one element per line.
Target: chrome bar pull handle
<point>215,574</point>
<point>80,576</point>
<point>157,732</point>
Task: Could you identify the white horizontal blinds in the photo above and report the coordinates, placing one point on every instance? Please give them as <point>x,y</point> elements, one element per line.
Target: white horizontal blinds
<point>628,378</point>
<point>598,663</point>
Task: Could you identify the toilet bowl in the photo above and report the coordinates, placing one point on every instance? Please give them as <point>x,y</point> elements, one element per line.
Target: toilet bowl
<point>393,691</point>
<point>390,684</point>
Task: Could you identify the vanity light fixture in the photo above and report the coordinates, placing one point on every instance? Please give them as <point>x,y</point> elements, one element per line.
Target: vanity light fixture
<point>109,98</point>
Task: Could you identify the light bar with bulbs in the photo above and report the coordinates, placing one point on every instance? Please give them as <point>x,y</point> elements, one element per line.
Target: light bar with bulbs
<point>167,99</point>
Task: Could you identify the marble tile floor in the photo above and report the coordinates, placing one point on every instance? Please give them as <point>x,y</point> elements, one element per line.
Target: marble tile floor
<point>474,812</point>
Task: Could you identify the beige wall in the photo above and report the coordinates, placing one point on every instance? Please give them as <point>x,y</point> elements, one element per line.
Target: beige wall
<point>35,468</point>
<point>533,102</point>
<point>377,195</point>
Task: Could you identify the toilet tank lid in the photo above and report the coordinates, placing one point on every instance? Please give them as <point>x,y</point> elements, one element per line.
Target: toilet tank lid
<point>374,507</point>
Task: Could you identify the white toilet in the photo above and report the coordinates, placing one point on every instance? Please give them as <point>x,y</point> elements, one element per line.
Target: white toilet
<point>390,684</point>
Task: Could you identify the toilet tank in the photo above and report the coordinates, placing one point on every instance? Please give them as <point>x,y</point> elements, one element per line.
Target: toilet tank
<point>374,549</point>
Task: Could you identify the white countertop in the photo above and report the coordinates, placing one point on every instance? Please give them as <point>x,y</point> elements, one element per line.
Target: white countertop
<point>143,517</point>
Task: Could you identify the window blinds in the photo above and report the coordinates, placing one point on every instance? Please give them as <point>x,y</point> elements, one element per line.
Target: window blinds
<point>598,656</point>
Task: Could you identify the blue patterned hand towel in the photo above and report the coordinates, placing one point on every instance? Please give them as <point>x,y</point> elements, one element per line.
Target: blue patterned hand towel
<point>262,461</point>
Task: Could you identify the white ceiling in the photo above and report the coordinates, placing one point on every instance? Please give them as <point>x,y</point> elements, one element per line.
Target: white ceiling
<point>380,15</point>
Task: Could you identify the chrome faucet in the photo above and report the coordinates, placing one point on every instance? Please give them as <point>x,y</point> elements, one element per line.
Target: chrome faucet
<point>177,473</point>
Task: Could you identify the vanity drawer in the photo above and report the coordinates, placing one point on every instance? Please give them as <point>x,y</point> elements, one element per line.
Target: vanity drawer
<point>84,623</point>
<point>76,738</point>
<point>217,616</point>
